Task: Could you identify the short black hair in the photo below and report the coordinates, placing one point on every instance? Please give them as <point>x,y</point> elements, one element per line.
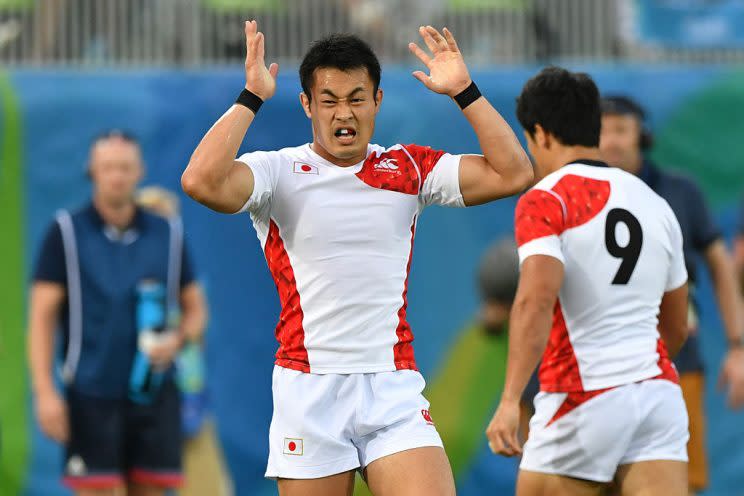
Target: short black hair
<point>564,103</point>
<point>339,51</point>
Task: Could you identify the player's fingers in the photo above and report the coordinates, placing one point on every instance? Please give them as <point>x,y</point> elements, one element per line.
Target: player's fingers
<point>451,40</point>
<point>418,52</point>
<point>274,70</point>
<point>515,444</point>
<point>260,47</point>
<point>433,47</point>
<point>423,78</point>
<point>250,32</point>
<point>437,37</point>
<point>508,449</point>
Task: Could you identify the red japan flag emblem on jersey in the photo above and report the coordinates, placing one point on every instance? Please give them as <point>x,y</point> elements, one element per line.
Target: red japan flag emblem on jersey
<point>302,168</point>
<point>427,417</point>
<point>293,446</point>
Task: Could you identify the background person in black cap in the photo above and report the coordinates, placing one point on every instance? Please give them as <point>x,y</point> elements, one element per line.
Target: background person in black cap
<point>624,141</point>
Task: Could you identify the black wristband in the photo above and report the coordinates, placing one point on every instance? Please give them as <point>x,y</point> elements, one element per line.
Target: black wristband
<point>468,95</point>
<point>250,100</point>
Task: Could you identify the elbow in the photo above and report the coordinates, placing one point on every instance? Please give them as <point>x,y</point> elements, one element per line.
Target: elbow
<point>523,174</point>
<point>526,175</point>
<point>195,186</point>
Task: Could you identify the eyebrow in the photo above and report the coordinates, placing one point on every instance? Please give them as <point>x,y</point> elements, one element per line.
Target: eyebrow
<point>333,95</point>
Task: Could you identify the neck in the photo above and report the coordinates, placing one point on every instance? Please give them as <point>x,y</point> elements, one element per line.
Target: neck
<point>635,167</point>
<point>569,154</point>
<point>117,215</point>
<point>341,162</point>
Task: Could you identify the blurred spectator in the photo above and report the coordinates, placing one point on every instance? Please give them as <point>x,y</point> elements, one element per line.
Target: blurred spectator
<point>203,463</point>
<point>623,142</point>
<point>90,279</point>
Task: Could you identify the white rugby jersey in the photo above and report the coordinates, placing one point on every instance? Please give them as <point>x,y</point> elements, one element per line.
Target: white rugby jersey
<point>621,248</point>
<point>338,242</point>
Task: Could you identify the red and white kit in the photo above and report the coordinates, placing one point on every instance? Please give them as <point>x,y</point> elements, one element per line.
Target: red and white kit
<point>609,393</point>
<point>338,242</point>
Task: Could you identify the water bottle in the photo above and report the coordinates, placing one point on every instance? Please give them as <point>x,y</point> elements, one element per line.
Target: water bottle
<point>145,380</point>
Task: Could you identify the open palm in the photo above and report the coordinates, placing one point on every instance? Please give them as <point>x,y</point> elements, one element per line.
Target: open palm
<point>448,74</point>
<point>258,78</point>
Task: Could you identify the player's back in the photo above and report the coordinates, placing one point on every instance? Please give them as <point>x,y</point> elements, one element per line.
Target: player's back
<point>621,248</point>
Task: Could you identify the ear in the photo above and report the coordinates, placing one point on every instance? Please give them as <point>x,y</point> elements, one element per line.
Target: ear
<point>542,139</point>
<point>305,102</point>
<point>378,100</point>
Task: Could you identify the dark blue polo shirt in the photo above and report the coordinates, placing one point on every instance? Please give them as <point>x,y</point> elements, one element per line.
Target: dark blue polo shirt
<point>699,231</point>
<point>111,265</point>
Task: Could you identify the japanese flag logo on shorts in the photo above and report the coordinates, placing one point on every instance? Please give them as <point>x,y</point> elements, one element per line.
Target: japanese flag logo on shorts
<point>293,446</point>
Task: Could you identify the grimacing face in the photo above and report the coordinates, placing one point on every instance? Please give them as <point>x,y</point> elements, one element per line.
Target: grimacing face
<point>343,109</point>
<point>115,169</point>
<point>619,141</point>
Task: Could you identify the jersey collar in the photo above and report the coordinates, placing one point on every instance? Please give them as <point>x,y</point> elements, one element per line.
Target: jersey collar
<point>587,161</point>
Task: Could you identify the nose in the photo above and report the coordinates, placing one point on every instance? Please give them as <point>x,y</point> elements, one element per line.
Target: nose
<point>343,110</point>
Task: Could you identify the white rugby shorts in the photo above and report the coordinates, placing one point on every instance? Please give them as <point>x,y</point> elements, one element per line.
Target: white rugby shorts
<point>588,435</point>
<point>332,423</point>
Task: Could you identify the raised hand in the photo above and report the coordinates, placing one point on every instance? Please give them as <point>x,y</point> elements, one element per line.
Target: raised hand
<point>258,79</point>
<point>448,74</point>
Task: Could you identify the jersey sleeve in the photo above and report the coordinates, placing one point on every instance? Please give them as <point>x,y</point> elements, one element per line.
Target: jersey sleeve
<point>704,229</point>
<point>677,271</point>
<point>264,167</point>
<point>440,176</point>
<point>539,221</point>
<point>50,263</point>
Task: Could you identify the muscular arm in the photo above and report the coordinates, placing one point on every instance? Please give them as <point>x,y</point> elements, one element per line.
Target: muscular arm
<point>673,319</point>
<point>504,168</point>
<point>529,329</point>
<point>213,177</point>
<point>531,320</point>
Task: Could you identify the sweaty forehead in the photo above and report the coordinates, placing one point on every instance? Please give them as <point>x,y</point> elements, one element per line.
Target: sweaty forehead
<point>339,82</point>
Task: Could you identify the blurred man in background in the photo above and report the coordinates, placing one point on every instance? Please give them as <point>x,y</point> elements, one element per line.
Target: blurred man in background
<point>624,142</point>
<point>203,464</point>
<point>88,280</point>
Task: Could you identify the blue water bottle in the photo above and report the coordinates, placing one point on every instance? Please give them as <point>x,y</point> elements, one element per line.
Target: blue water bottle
<point>145,380</point>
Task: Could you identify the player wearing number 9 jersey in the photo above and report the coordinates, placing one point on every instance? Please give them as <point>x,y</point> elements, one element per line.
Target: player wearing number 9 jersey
<point>602,296</point>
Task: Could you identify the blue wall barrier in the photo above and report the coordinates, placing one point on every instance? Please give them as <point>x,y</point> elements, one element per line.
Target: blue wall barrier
<point>170,111</point>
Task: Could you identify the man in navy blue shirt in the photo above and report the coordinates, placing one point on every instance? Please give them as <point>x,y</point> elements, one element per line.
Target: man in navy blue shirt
<point>88,283</point>
<point>623,142</point>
